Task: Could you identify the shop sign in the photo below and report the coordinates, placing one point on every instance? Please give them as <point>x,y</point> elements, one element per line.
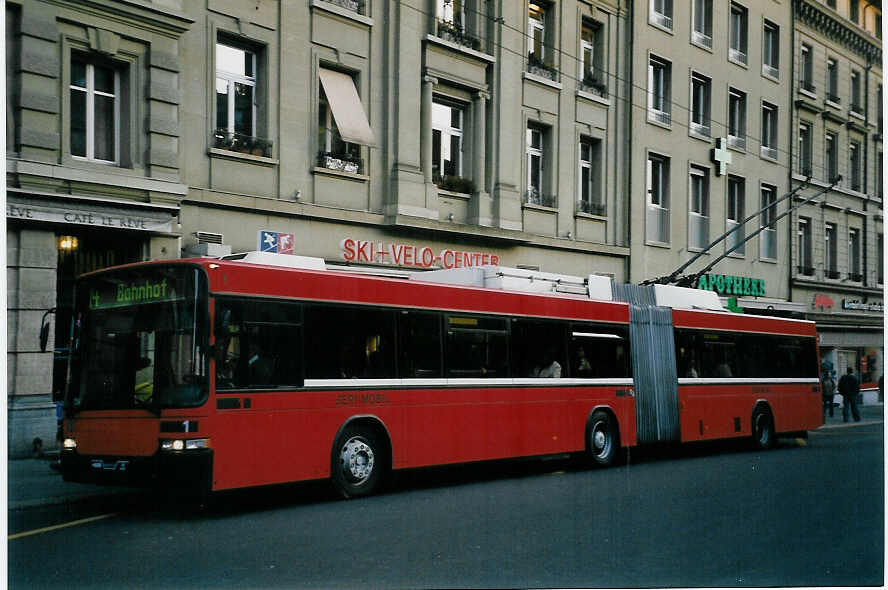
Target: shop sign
<point>823,302</point>
<point>858,305</point>
<point>354,250</point>
<point>731,285</point>
<point>277,242</point>
<point>110,218</point>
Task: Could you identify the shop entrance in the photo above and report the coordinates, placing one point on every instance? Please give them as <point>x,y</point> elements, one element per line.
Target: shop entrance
<point>81,251</point>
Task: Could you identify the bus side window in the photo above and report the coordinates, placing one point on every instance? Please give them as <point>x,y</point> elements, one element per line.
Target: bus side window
<point>598,351</point>
<point>420,345</point>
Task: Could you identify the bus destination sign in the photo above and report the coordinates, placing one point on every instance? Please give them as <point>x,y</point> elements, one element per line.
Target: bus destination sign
<point>135,293</point>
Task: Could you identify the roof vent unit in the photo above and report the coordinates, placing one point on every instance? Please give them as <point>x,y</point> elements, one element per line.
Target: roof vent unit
<point>208,237</point>
<point>687,298</point>
<point>273,259</point>
<point>519,279</point>
<point>209,244</point>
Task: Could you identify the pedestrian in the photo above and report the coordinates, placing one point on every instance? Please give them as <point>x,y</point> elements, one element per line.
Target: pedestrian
<point>849,388</point>
<point>828,390</point>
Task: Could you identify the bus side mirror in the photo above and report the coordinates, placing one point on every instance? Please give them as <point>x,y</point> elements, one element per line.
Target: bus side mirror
<point>44,329</point>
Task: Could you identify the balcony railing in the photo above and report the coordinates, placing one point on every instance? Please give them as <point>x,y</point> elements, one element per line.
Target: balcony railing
<point>769,152</point>
<point>737,55</point>
<point>456,184</point>
<point>735,238</point>
<point>769,244</point>
<point>541,68</point>
<point>659,116</point>
<point>657,224</point>
<point>833,98</point>
<point>807,271</point>
<point>808,86</point>
<point>341,162</point>
<point>856,109</point>
<point>698,231</point>
<point>856,277</point>
<point>661,19</point>
<point>592,208</point>
<point>737,142</point>
<point>535,197</point>
<point>832,274</point>
<point>455,33</point>
<point>769,70</point>
<point>353,5</point>
<point>702,39</point>
<point>592,83</point>
<point>224,139</point>
<point>701,129</point>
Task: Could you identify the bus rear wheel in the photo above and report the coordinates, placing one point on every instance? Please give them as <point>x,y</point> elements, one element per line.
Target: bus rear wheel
<point>359,461</point>
<point>763,436</point>
<point>604,440</point>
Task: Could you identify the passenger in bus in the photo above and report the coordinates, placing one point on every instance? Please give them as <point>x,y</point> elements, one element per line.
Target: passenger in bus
<point>261,365</point>
<point>550,368</point>
<point>723,369</point>
<point>584,369</point>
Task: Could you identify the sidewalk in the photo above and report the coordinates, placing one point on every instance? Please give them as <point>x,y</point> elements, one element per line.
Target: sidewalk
<point>32,482</point>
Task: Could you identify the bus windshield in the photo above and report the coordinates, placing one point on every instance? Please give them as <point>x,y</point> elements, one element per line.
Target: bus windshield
<point>140,340</point>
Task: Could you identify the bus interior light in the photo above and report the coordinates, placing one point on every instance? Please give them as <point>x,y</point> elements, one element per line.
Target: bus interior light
<point>197,443</point>
<point>69,444</point>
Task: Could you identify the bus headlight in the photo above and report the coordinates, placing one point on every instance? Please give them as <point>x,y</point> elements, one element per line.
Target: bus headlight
<point>69,444</point>
<point>184,444</point>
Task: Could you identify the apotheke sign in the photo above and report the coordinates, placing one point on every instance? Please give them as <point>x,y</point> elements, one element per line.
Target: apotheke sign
<point>731,285</point>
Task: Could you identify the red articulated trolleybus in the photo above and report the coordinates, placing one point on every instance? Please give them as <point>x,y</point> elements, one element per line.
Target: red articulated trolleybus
<point>213,374</point>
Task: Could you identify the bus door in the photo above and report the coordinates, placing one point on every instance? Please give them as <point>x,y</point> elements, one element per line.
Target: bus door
<point>258,365</point>
<point>653,364</point>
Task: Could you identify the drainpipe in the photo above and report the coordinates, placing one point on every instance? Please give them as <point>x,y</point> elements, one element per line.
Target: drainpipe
<point>792,14</point>
<point>628,87</point>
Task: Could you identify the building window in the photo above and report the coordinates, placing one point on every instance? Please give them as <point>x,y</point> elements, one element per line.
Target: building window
<point>854,273</point>
<point>539,58</point>
<point>701,99</point>
<point>698,223</point>
<point>659,91</point>
<point>737,119</point>
<point>702,31</point>
<point>854,11</point>
<point>592,75</point>
<point>658,198</point>
<point>831,247</point>
<point>879,108</point>
<point>768,222</point>
<point>832,156</point>
<point>661,13</point>
<point>236,77</point>
<point>805,149</point>
<point>769,131</point>
<point>831,4</point>
<point>880,259</point>
<point>447,144</point>
<point>805,251</point>
<point>771,50</point>
<point>806,73</point>
<point>832,81</point>
<point>451,23</point>
<point>739,24</point>
<point>95,110</point>
<point>535,161</point>
<point>736,212</point>
<point>342,123</point>
<point>880,188</point>
<point>854,165</point>
<point>856,107</point>
<point>590,178</point>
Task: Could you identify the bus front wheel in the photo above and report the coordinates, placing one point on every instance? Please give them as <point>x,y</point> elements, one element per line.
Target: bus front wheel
<point>603,438</point>
<point>359,461</point>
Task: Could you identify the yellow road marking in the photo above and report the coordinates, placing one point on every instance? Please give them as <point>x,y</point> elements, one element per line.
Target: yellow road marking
<point>62,526</point>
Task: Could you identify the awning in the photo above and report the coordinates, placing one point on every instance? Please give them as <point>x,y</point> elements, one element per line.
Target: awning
<point>348,112</point>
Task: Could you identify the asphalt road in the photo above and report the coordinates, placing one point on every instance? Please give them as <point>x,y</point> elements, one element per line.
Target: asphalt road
<point>707,515</point>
